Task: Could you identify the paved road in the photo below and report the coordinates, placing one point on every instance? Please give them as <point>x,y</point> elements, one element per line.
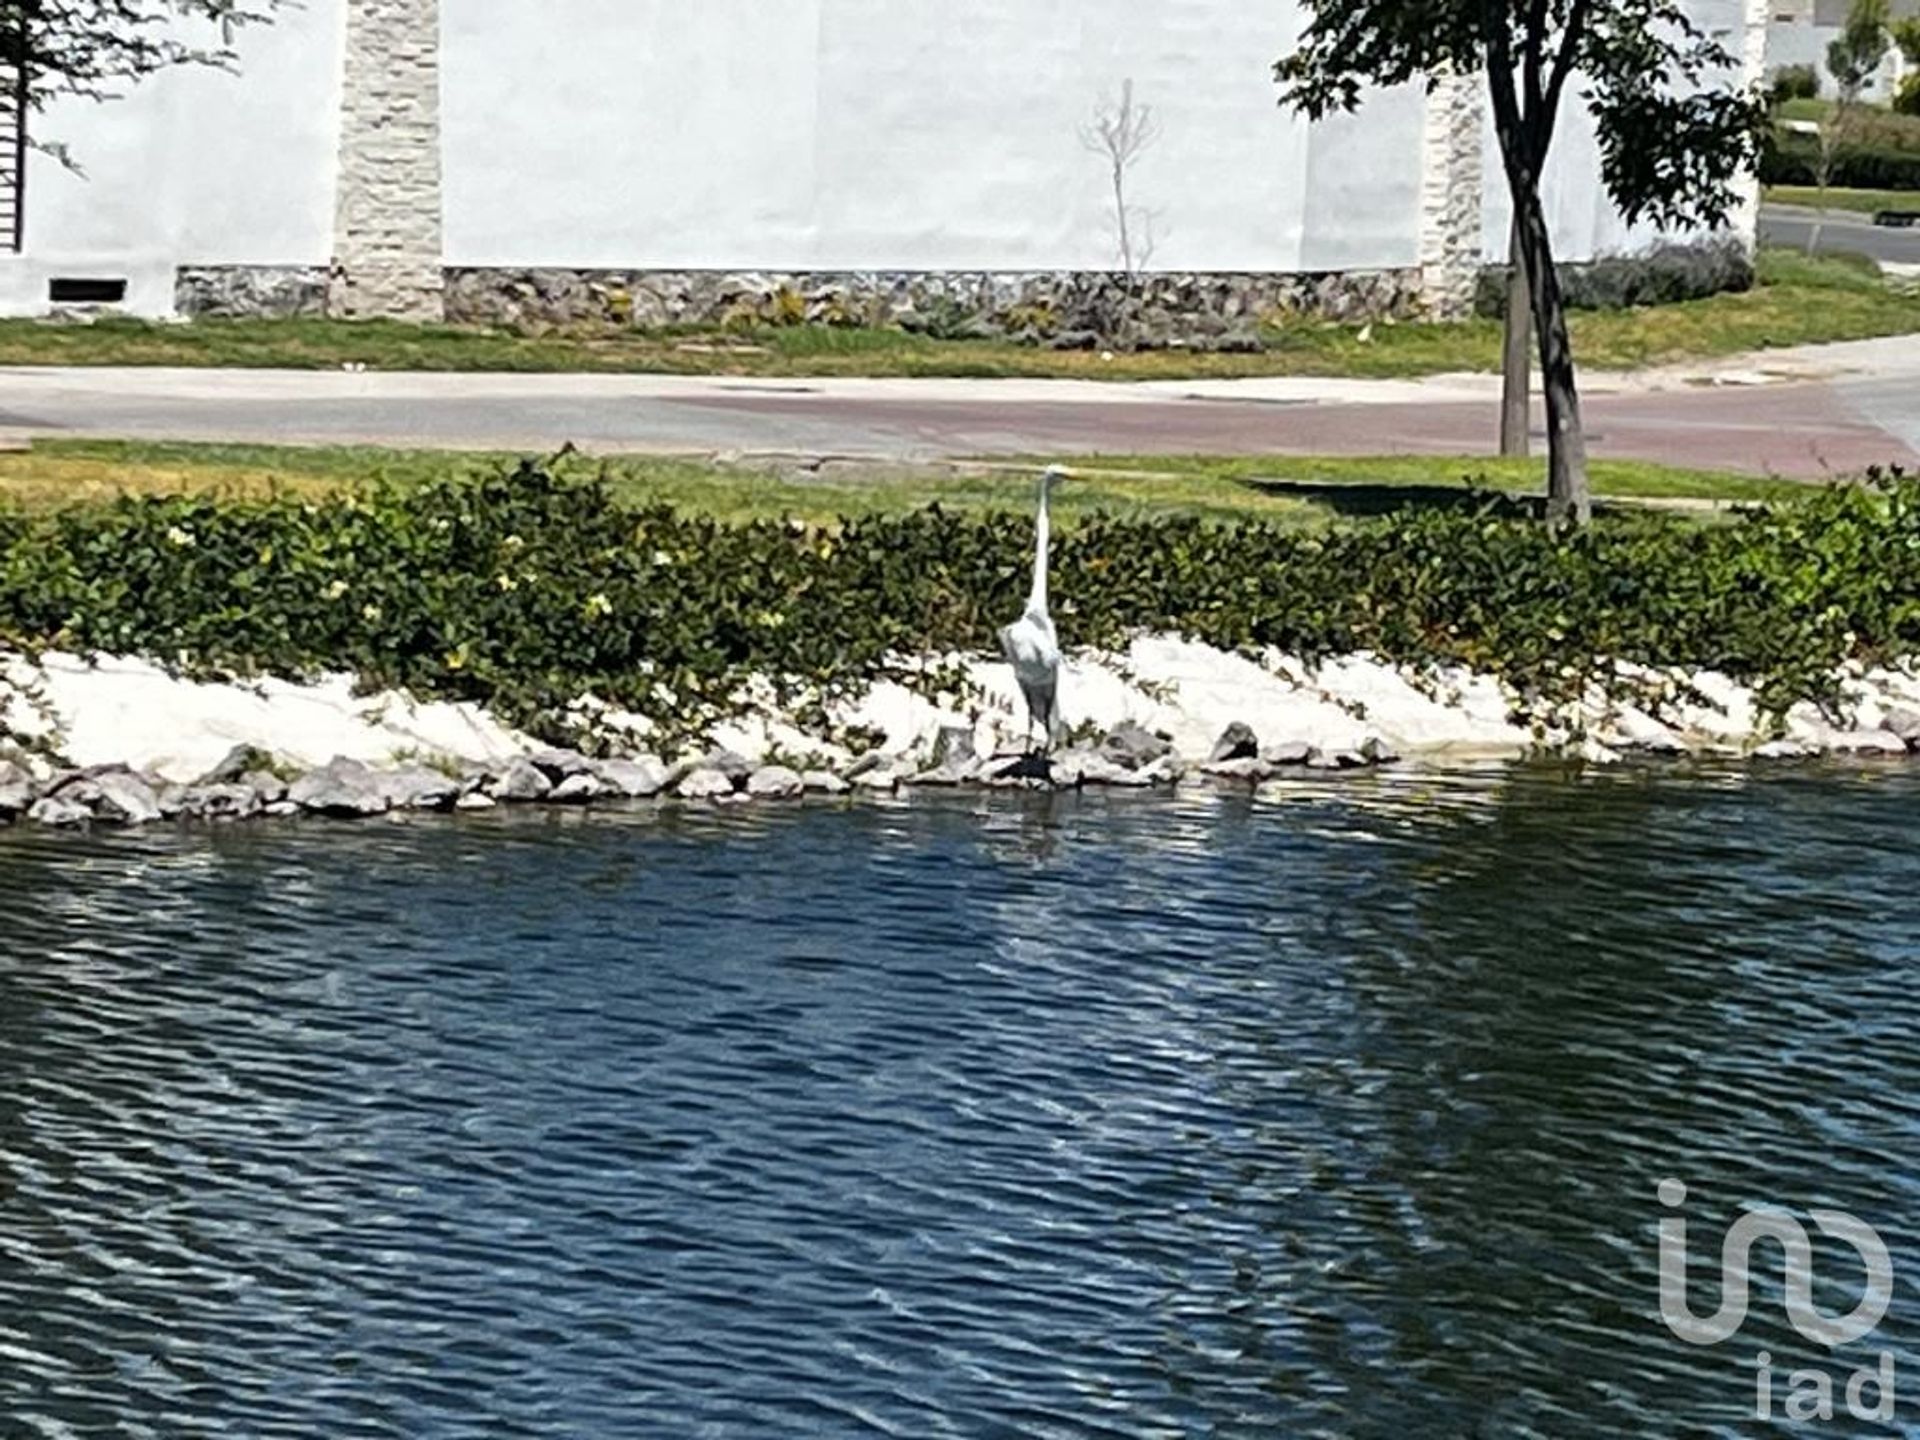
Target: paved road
<point>1842,232</point>
<point>1806,414</point>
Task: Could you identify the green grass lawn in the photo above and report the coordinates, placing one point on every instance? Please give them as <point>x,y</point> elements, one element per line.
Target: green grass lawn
<point>1310,490</point>
<point>1798,301</point>
<point>1863,201</point>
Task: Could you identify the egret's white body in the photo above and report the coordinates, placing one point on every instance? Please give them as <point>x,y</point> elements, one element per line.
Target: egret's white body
<point>1030,644</point>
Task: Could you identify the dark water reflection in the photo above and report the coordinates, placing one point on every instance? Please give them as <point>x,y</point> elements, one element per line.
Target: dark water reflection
<point>1339,1113</point>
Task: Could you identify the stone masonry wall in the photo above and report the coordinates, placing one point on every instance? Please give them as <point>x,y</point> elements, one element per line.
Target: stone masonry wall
<point>387,234</point>
<point>1063,308</point>
<point>237,292</point>
<point>1453,185</point>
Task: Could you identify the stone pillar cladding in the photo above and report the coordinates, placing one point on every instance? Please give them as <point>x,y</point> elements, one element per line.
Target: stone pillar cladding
<point>1750,48</point>
<point>387,256</point>
<point>1453,189</point>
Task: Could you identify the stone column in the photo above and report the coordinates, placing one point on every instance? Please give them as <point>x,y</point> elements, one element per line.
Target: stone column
<point>387,258</point>
<point>1453,186</point>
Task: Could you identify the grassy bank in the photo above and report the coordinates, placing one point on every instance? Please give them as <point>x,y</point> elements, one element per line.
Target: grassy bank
<point>1282,489</point>
<point>1864,202</point>
<point>525,590</point>
<point>1797,301</point>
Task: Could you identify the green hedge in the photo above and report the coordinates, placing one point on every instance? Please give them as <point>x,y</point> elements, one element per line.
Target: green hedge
<point>524,591</point>
<point>1794,160</point>
<point>1661,276</point>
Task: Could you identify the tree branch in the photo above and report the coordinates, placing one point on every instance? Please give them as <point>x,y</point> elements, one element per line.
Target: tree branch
<point>1531,61</point>
<point>1569,55</point>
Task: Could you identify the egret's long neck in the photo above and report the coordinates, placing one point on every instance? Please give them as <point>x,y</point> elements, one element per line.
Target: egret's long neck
<point>1037,601</point>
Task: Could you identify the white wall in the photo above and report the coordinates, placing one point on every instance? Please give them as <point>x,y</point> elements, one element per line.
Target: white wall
<point>192,167</point>
<point>899,134</point>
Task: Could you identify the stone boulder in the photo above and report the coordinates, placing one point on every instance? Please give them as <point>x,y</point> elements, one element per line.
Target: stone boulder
<point>705,783</point>
<point>775,782</point>
<point>241,761</point>
<point>343,789</point>
<point>1868,742</point>
<point>268,786</point>
<point>1134,746</point>
<point>1905,723</point>
<point>1236,742</point>
<point>953,747</point>
<point>124,799</point>
<point>633,779</point>
<point>1081,768</point>
<point>17,790</point>
<point>415,787</point>
<point>559,765</point>
<point>521,782</point>
<point>580,789</point>
<point>734,766</point>
<point>58,811</point>
<point>221,802</point>
<point>824,782</point>
<point>1294,752</point>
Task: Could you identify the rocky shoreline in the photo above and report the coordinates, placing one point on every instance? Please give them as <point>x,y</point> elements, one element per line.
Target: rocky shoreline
<point>250,785</point>
<point>123,742</point>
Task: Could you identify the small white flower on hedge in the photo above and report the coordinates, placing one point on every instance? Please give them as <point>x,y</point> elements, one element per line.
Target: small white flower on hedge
<point>180,539</point>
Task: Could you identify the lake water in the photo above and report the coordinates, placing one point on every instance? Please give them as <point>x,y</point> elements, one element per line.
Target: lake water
<point>1336,1112</point>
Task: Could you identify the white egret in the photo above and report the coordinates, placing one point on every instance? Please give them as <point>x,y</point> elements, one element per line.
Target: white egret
<point>1029,643</point>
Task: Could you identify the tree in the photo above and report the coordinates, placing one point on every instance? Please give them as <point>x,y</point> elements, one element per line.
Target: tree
<point>1676,136</point>
<point>1120,135</point>
<point>1853,59</point>
<point>1906,34</point>
<point>95,49</point>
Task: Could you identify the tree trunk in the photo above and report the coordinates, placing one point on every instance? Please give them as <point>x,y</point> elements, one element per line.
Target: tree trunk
<point>1516,367</point>
<point>1568,498</point>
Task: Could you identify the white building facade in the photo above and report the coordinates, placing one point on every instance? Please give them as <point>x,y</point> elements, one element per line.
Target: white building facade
<point>655,161</point>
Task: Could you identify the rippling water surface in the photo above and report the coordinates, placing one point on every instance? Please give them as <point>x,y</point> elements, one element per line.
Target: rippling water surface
<point>1338,1112</point>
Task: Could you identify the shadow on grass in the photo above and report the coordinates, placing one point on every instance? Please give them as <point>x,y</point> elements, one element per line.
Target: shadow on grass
<point>1362,499</point>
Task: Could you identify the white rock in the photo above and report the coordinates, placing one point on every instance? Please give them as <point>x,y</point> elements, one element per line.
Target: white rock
<point>1905,723</point>
<point>57,811</point>
<point>521,781</point>
<point>125,800</point>
<point>824,782</point>
<point>578,789</point>
<point>704,784</point>
<point>417,788</point>
<point>634,779</point>
<point>476,800</point>
<point>120,710</point>
<point>1868,742</point>
<point>775,782</point>
<point>343,788</point>
<point>882,781</point>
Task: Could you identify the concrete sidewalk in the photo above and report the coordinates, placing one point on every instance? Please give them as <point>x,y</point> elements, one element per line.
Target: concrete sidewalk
<point>1806,412</point>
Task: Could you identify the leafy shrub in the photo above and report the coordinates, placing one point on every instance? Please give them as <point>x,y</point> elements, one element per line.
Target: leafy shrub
<point>1794,82</point>
<point>1616,282</point>
<point>524,591</point>
<point>1794,160</point>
